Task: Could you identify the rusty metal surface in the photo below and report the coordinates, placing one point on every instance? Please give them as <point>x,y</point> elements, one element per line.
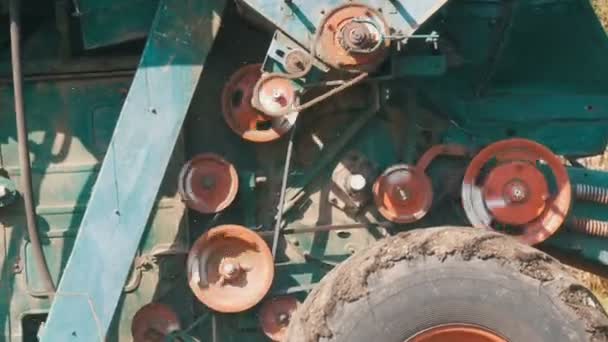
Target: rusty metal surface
<point>154,322</point>
<point>230,268</point>
<point>275,315</point>
<point>340,32</point>
<point>241,116</point>
<point>208,183</point>
<point>515,193</point>
<point>514,156</point>
<point>403,194</point>
<point>457,333</point>
<point>588,226</point>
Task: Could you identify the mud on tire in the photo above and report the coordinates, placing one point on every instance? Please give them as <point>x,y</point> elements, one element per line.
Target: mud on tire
<point>420,279</point>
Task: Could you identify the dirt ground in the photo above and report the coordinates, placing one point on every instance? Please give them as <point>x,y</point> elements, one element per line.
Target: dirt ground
<point>597,284</point>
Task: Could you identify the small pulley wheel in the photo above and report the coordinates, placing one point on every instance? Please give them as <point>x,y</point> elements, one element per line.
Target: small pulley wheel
<point>275,95</point>
<point>275,315</point>
<point>403,194</point>
<point>352,38</point>
<point>239,113</point>
<point>153,323</point>
<point>208,183</point>
<point>230,269</point>
<point>505,186</point>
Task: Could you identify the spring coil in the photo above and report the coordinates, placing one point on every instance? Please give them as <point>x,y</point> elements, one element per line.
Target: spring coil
<point>589,227</point>
<point>591,193</point>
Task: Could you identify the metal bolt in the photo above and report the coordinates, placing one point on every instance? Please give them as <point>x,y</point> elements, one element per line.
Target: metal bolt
<point>283,318</point>
<point>357,182</point>
<point>230,269</point>
<point>402,194</point>
<point>261,179</point>
<point>516,192</point>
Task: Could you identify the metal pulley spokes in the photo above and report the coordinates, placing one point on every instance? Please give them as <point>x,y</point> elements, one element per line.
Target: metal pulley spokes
<point>208,183</point>
<point>504,185</point>
<point>245,120</point>
<point>230,268</point>
<point>403,194</point>
<point>153,323</point>
<point>457,333</point>
<point>275,315</point>
<point>352,38</point>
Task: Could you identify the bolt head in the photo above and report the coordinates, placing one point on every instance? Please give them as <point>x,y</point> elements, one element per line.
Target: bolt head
<point>357,182</point>
<point>516,192</point>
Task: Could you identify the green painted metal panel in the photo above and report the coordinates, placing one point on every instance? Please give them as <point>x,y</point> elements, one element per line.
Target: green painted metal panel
<point>129,179</point>
<point>109,22</point>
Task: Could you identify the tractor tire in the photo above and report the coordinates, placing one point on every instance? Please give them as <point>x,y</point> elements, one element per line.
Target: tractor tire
<point>425,280</point>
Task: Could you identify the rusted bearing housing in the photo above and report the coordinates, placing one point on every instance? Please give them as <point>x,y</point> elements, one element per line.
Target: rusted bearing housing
<point>505,185</point>
<point>230,268</point>
<point>208,183</point>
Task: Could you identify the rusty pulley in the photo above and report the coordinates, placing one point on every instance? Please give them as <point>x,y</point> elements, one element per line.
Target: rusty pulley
<point>153,323</point>
<point>352,37</point>
<point>230,268</point>
<point>208,183</point>
<point>245,120</point>
<point>404,193</point>
<point>275,315</point>
<point>275,95</point>
<point>505,187</point>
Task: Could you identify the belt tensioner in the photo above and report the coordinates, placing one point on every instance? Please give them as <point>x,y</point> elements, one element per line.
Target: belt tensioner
<point>230,268</point>
<point>153,323</point>
<point>517,185</point>
<point>403,193</point>
<point>245,120</point>
<point>275,315</point>
<point>208,183</point>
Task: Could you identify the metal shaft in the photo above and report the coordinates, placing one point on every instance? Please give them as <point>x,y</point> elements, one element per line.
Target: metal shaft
<point>279,219</point>
<point>24,157</point>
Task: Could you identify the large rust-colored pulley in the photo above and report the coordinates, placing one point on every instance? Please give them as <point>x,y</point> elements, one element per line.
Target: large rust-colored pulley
<point>230,268</point>
<point>275,315</point>
<point>239,113</point>
<point>353,37</point>
<point>153,323</point>
<point>208,183</point>
<point>508,185</point>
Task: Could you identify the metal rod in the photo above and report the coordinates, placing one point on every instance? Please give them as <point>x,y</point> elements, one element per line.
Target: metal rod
<point>24,157</point>
<point>279,218</point>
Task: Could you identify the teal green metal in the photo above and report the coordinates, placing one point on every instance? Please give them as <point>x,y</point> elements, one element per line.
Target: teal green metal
<point>128,182</point>
<point>103,143</point>
<point>105,23</point>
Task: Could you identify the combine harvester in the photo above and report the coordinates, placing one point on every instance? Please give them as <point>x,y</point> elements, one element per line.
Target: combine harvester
<point>299,170</point>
